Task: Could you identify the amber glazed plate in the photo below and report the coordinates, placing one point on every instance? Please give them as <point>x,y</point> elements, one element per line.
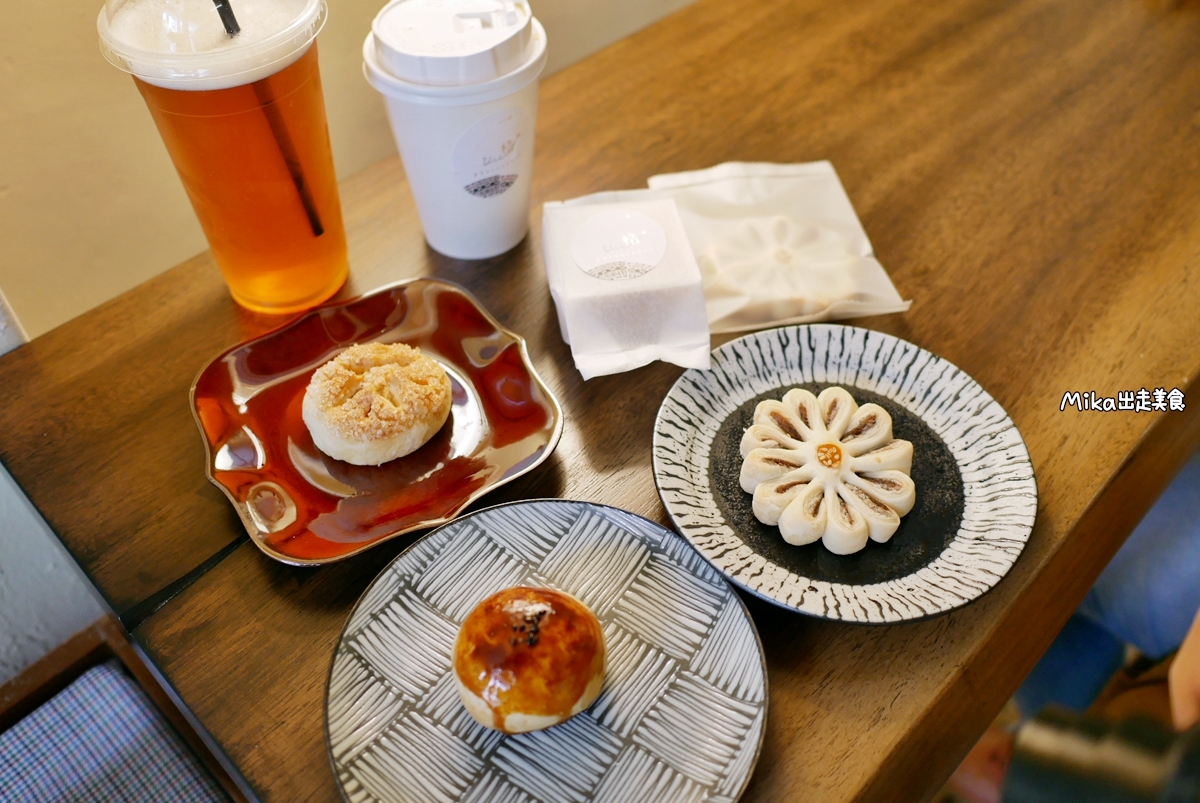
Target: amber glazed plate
<point>305,508</point>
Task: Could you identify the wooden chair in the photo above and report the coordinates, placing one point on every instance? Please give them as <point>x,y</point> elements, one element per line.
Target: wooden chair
<point>102,642</point>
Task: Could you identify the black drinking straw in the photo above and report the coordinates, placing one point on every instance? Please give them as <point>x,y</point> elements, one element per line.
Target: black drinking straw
<point>283,139</point>
<point>227,19</point>
<point>286,149</point>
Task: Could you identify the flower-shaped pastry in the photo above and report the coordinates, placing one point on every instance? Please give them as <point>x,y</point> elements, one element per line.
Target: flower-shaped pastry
<point>823,467</point>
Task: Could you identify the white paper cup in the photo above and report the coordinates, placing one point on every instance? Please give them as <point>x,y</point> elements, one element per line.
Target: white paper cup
<point>464,125</point>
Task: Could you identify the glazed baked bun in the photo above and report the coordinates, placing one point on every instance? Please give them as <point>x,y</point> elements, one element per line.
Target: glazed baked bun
<point>529,658</point>
<point>375,402</point>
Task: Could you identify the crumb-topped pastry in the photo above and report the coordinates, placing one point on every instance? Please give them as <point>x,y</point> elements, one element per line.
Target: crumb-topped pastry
<point>528,658</point>
<point>375,402</point>
<point>821,467</point>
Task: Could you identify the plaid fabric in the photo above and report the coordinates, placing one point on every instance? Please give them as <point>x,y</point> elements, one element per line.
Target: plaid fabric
<point>100,739</point>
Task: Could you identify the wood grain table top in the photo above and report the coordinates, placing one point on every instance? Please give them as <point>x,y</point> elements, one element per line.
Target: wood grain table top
<point>1028,173</point>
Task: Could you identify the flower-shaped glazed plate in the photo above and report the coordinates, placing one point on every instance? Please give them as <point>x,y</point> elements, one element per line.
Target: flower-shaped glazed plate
<point>304,508</point>
<point>680,717</point>
<point>976,496</point>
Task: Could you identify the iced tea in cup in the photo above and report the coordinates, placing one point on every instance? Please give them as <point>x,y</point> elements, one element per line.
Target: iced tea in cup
<point>460,81</point>
<point>243,118</point>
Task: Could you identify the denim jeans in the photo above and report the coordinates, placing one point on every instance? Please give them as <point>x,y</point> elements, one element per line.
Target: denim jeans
<point>1147,597</point>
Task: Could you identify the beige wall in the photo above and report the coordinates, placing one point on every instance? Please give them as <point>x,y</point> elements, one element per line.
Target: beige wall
<point>89,203</point>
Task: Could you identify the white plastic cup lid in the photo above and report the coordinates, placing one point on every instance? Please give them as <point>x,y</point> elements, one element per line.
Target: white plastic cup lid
<point>183,43</point>
<point>452,42</point>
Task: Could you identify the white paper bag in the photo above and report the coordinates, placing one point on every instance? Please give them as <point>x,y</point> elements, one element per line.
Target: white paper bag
<point>625,284</point>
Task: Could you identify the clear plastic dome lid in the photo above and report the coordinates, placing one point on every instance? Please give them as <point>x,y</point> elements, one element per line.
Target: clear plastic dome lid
<point>185,44</point>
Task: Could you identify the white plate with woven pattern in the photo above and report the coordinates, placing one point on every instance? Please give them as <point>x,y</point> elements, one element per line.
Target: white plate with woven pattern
<point>682,713</point>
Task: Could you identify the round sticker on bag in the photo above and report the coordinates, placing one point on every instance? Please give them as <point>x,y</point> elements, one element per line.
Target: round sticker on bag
<point>618,244</point>
<point>486,155</point>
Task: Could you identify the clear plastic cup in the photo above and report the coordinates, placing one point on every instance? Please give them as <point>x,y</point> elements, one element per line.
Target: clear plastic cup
<point>243,118</point>
<point>460,81</point>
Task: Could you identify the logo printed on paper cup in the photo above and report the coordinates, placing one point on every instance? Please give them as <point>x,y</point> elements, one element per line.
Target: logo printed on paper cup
<point>485,157</point>
<point>618,245</point>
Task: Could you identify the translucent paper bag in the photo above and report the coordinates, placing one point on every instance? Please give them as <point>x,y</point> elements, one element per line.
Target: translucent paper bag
<point>777,244</point>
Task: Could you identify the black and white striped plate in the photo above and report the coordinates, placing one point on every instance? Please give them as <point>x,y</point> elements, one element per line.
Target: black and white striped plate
<point>682,711</point>
<point>976,496</point>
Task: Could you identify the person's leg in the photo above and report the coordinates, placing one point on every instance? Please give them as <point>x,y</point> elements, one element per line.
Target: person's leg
<point>1147,597</point>
<point>1074,670</point>
<point>1150,592</point>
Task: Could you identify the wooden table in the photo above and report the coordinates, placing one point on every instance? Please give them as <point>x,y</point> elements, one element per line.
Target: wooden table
<point>1029,175</point>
